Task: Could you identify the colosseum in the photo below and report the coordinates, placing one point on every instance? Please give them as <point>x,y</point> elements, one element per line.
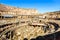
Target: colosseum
<point>28,24</point>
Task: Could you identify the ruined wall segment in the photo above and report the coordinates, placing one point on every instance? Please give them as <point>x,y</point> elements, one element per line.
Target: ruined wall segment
<point>16,11</point>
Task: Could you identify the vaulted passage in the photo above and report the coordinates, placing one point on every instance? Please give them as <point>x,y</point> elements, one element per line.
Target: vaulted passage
<point>55,25</point>
<point>1,26</point>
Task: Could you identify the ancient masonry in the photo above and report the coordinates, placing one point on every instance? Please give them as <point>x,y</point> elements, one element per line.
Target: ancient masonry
<point>27,24</point>
<point>16,11</point>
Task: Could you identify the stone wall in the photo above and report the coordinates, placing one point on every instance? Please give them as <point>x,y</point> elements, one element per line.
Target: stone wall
<point>16,11</point>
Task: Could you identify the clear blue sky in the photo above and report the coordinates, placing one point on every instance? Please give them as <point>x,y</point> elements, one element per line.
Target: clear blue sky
<point>40,5</point>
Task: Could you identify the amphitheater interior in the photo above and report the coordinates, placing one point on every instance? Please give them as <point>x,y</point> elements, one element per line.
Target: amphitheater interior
<point>28,24</point>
